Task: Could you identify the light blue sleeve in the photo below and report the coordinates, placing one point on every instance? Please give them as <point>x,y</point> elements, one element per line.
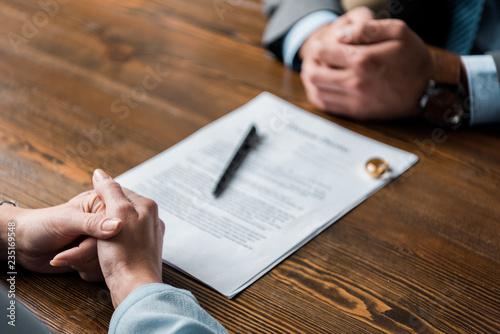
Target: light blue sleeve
<point>161,308</point>
<point>484,89</point>
<point>301,31</point>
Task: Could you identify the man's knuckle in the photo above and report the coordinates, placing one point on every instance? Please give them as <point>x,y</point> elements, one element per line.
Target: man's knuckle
<point>124,208</point>
<point>151,205</point>
<point>400,28</point>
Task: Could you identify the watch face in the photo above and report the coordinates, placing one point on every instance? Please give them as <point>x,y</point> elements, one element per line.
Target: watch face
<point>444,108</point>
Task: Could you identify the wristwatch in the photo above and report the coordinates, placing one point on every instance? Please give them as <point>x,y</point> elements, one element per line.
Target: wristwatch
<point>444,102</point>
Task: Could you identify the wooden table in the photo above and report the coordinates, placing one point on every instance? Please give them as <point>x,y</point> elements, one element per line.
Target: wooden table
<point>420,256</point>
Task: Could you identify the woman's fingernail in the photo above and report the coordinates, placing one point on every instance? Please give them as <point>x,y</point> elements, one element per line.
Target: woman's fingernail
<point>99,175</point>
<point>59,263</point>
<point>110,225</point>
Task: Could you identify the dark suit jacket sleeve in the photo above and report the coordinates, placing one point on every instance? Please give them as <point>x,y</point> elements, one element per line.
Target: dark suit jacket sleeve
<point>283,14</point>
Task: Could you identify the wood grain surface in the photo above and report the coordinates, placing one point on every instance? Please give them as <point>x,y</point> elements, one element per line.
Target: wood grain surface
<point>110,84</point>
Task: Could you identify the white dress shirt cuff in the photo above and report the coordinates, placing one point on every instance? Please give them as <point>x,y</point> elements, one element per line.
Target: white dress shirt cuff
<point>484,89</point>
<point>301,31</point>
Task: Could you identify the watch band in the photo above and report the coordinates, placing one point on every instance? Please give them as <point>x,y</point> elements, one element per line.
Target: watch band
<point>447,67</point>
<point>445,103</point>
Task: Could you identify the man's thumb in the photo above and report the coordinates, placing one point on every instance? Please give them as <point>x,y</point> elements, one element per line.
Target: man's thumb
<point>95,225</point>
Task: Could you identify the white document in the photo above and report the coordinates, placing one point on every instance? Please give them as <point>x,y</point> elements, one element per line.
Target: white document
<point>305,174</point>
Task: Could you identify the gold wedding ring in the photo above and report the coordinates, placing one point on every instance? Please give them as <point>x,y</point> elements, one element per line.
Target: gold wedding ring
<point>376,168</point>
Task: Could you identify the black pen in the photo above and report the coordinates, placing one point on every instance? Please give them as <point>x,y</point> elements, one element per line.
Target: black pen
<point>246,146</point>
